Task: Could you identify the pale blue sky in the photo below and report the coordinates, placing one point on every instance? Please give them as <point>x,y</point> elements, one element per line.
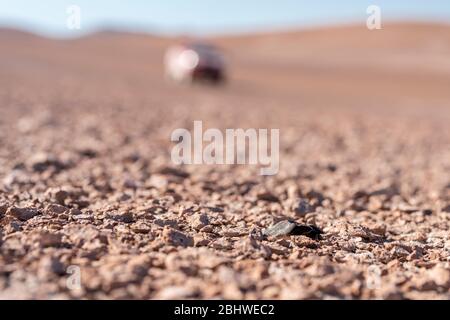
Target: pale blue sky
<point>208,16</point>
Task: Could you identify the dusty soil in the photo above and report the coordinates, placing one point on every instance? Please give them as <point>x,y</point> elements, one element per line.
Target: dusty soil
<point>86,179</point>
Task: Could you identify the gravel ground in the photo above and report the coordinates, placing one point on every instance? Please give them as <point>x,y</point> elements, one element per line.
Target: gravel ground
<point>86,181</point>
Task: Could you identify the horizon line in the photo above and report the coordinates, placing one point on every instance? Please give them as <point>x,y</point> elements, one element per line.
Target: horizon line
<point>225,32</point>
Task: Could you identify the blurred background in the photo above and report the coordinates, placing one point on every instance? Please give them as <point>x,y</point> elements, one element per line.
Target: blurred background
<point>296,48</point>
<point>201,17</point>
<point>279,59</point>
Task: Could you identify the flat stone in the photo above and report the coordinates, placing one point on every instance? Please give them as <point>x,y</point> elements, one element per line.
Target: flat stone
<point>198,221</point>
<point>125,216</point>
<point>287,227</point>
<point>267,196</point>
<point>55,209</point>
<point>177,238</point>
<point>282,228</point>
<point>22,214</point>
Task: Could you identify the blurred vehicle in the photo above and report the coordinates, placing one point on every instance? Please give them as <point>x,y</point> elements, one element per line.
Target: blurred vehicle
<point>192,62</point>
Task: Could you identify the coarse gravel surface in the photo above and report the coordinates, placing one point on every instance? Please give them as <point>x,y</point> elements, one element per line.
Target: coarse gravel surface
<point>87,185</point>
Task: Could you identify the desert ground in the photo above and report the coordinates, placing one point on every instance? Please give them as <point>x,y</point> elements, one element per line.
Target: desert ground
<point>87,186</point>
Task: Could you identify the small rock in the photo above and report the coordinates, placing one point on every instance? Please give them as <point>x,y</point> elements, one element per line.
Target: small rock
<point>399,252</point>
<point>267,196</point>
<point>55,209</point>
<point>284,243</point>
<point>379,229</point>
<point>84,216</point>
<point>234,232</point>
<point>282,228</point>
<point>365,233</point>
<point>75,212</point>
<point>166,222</point>
<point>140,227</point>
<point>177,238</point>
<point>200,241</point>
<point>22,214</point>
<point>126,217</point>
<point>198,221</point>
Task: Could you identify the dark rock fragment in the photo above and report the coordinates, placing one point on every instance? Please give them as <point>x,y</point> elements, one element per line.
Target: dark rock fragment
<point>23,214</point>
<point>287,227</point>
<point>267,196</point>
